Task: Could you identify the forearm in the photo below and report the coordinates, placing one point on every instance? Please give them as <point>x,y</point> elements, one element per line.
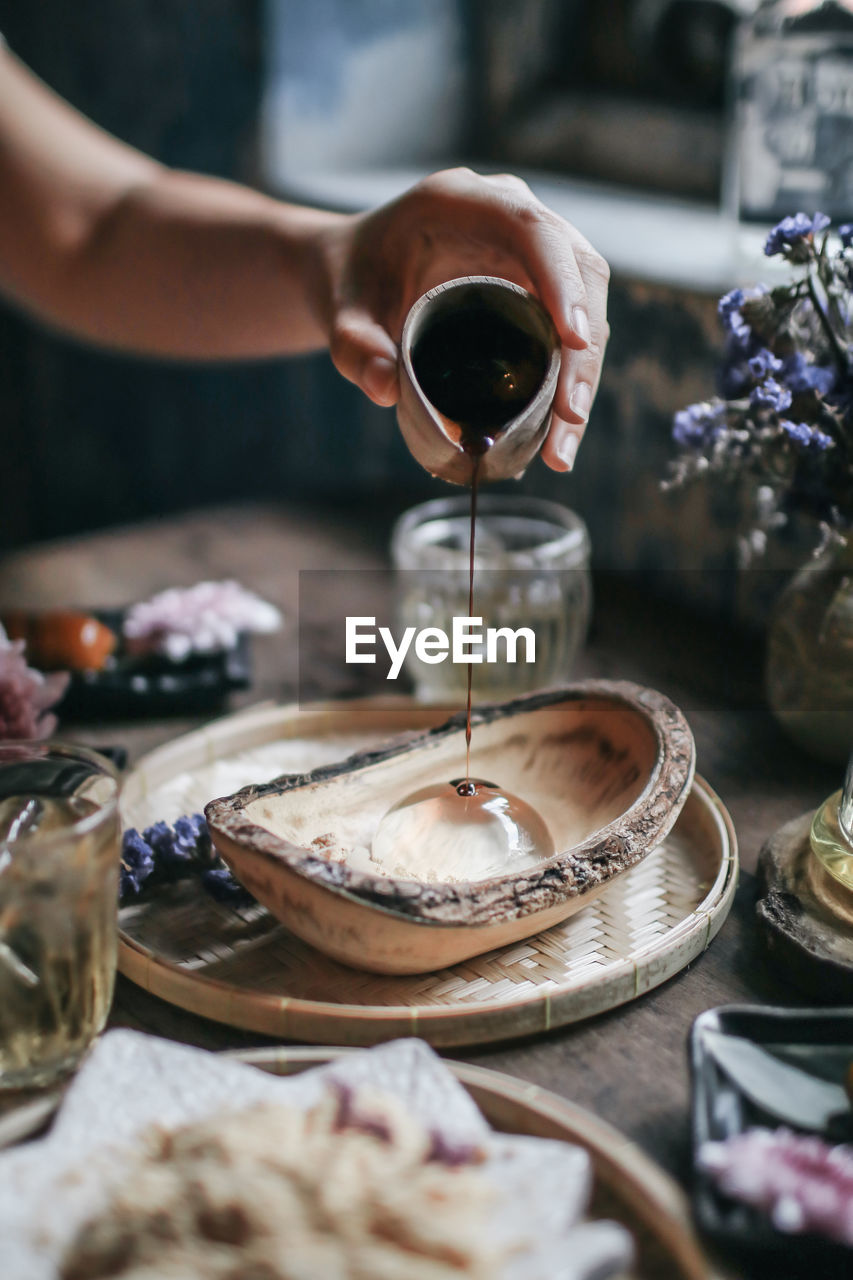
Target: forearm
<point>191,267</point>
<point>100,240</point>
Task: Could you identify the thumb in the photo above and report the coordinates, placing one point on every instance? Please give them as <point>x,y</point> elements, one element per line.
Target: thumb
<point>364,353</point>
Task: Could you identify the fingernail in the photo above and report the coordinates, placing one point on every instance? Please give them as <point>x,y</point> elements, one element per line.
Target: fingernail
<point>380,374</point>
<point>581,399</point>
<point>580,324</point>
<point>567,450</point>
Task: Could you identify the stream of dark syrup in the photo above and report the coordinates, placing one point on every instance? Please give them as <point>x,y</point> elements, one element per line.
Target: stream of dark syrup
<point>466,788</point>
<point>479,370</point>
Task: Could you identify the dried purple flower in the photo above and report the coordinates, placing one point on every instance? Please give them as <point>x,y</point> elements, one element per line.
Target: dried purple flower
<point>728,308</point>
<point>162,840</point>
<point>174,853</point>
<point>764,363</point>
<point>202,619</point>
<point>223,887</point>
<point>729,311</point>
<point>746,315</point>
<point>26,694</point>
<point>802,1182</point>
<point>137,863</point>
<point>192,836</point>
<point>698,425</point>
<point>793,236</point>
<point>799,375</point>
<point>809,437</point>
<point>789,349</point>
<point>178,847</point>
<point>770,395</point>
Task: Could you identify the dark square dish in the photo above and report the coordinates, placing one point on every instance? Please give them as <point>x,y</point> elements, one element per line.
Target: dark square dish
<point>813,1041</point>
<point>155,686</point>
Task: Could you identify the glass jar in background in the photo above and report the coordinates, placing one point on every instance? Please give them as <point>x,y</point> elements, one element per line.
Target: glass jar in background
<point>531,569</point>
<point>60,835</point>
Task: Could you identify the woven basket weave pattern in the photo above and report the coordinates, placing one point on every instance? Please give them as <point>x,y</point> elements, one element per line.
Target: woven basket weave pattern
<point>646,926</point>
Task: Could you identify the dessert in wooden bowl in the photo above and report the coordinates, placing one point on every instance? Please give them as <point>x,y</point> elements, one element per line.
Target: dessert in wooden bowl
<point>603,766</point>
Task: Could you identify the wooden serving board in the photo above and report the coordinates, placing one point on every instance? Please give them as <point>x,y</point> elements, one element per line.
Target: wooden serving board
<point>242,968</point>
<point>628,1186</point>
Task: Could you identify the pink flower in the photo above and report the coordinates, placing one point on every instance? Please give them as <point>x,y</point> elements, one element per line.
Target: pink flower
<point>25,694</point>
<point>199,619</point>
<point>802,1182</point>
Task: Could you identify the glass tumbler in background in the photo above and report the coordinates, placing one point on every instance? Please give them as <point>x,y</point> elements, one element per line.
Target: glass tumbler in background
<point>531,569</point>
<point>60,834</point>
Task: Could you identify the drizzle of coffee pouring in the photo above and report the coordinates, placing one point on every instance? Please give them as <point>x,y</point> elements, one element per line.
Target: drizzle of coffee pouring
<point>480,371</point>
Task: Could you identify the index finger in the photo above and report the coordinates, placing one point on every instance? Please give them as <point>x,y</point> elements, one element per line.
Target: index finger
<point>580,370</point>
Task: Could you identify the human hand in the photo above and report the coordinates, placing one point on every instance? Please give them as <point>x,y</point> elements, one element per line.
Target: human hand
<point>455,223</point>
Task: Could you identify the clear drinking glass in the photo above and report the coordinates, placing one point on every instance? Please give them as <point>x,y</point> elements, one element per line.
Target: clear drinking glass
<point>59,860</point>
<point>531,569</point>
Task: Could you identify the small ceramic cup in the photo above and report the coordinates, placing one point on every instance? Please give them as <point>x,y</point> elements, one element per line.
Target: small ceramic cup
<point>432,438</point>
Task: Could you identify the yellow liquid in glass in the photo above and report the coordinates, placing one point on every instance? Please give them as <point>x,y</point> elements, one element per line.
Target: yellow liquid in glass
<point>829,843</point>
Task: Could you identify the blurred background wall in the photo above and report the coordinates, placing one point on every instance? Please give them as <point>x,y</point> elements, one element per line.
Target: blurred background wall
<point>308,97</point>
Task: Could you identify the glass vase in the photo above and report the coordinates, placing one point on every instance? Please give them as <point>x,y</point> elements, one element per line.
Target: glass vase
<point>809,672</point>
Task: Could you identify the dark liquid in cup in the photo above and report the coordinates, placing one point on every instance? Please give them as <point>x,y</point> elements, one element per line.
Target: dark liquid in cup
<point>480,371</point>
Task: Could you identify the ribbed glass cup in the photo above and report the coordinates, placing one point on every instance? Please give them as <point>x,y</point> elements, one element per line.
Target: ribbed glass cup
<point>531,569</point>
<point>60,835</point>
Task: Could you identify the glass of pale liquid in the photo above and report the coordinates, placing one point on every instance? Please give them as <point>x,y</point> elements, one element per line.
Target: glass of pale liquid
<point>60,833</point>
<point>531,570</point>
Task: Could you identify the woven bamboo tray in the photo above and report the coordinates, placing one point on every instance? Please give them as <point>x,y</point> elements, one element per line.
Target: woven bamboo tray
<point>240,967</point>
<point>628,1186</point>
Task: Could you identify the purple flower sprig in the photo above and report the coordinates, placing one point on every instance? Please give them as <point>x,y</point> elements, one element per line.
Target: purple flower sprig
<point>136,866</point>
<point>770,394</point>
<point>793,237</point>
<point>162,854</point>
<point>784,419</point>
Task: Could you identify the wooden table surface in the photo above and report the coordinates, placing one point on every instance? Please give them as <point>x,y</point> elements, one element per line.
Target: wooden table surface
<point>628,1066</point>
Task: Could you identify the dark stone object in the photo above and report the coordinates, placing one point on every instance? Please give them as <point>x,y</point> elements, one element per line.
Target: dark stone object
<point>804,915</point>
<point>155,686</point>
